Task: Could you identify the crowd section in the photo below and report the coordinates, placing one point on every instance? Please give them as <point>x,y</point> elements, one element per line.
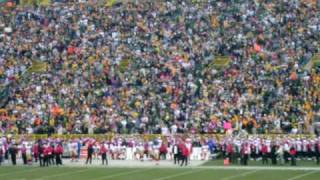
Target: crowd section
<point>178,149</point>
<point>147,67</point>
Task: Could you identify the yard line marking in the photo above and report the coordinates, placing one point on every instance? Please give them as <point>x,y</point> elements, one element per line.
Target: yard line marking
<point>180,174</point>
<point>120,174</point>
<point>63,174</point>
<point>302,175</point>
<point>20,172</point>
<point>240,175</point>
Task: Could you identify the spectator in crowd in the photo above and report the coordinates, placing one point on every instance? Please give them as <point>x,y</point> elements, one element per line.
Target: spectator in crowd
<point>152,67</point>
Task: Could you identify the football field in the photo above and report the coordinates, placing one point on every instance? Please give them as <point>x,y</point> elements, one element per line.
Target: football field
<point>157,173</point>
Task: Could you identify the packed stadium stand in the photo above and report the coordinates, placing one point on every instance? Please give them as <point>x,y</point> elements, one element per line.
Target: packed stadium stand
<point>160,67</point>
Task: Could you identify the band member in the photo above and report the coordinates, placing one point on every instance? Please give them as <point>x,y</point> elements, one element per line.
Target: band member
<point>58,150</point>
<point>103,152</point>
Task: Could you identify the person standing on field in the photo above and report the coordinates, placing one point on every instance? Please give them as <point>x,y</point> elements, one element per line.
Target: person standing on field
<point>47,152</point>
<point>1,153</point>
<point>185,155</point>
<point>13,153</point>
<point>103,152</point>
<point>317,149</point>
<point>293,154</point>
<point>175,152</point>
<point>35,152</point>
<point>90,152</point>
<point>264,152</point>
<point>24,154</point>
<point>58,151</point>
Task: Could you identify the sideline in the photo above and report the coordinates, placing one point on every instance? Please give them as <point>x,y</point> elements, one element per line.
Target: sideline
<point>164,165</point>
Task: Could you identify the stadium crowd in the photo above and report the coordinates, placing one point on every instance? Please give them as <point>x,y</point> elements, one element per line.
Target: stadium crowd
<point>178,149</point>
<point>149,67</point>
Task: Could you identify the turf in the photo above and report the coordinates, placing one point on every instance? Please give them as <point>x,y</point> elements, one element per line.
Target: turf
<point>300,163</point>
<point>68,173</point>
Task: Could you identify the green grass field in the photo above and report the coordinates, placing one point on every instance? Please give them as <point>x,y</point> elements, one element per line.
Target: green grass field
<point>300,163</point>
<point>202,173</point>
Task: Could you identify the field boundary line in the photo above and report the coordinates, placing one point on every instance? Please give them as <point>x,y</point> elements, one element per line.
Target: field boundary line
<point>260,168</point>
<point>204,167</point>
<point>180,174</point>
<point>119,174</point>
<point>240,175</point>
<point>63,174</point>
<point>302,175</point>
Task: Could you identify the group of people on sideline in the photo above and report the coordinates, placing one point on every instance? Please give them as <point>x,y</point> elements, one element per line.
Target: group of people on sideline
<point>179,150</point>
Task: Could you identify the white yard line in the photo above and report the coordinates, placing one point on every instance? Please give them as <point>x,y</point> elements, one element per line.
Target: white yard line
<point>63,174</point>
<point>119,174</point>
<point>240,175</point>
<point>302,175</point>
<point>180,174</point>
<point>19,172</point>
